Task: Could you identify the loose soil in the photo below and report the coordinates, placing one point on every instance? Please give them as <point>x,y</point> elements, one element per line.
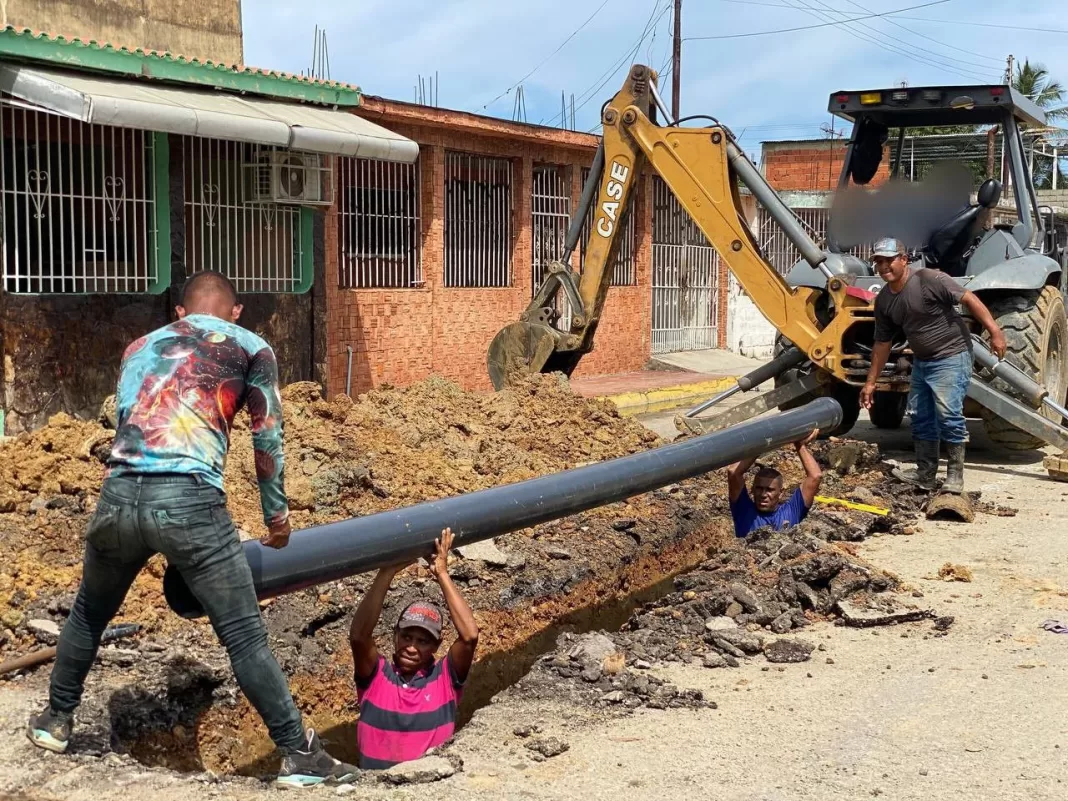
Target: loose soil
<point>167,697</point>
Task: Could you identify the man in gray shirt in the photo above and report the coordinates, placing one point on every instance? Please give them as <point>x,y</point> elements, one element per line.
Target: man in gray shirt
<point>922,305</point>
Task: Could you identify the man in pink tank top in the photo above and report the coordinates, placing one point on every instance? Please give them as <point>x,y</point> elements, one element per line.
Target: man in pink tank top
<point>408,704</point>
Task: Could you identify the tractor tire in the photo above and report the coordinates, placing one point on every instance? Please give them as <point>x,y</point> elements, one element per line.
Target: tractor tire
<point>848,398</point>
<point>888,409</point>
<point>1036,330</point>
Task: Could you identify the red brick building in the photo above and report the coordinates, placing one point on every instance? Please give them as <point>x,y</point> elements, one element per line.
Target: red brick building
<point>400,334</point>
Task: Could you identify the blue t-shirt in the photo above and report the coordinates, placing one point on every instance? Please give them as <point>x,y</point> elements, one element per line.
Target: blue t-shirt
<point>747,518</point>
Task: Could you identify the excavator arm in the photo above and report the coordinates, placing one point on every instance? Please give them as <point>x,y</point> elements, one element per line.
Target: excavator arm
<point>702,167</point>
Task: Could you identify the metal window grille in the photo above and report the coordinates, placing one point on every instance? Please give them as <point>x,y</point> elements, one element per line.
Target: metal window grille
<point>478,220</point>
<point>78,204</point>
<point>258,245</point>
<point>685,279</point>
<point>550,202</point>
<point>379,239</point>
<point>623,271</point>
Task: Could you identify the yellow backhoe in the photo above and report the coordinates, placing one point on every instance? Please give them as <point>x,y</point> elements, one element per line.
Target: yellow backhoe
<point>825,318</point>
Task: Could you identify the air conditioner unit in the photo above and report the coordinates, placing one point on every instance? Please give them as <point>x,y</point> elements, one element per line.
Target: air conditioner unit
<point>282,176</point>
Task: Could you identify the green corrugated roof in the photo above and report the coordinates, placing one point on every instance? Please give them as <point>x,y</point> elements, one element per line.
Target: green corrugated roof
<point>25,44</point>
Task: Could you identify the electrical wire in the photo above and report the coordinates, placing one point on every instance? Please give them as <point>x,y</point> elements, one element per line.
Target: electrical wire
<point>898,15</point>
<point>872,36</point>
<point>810,27</point>
<point>914,32</point>
<point>545,60</point>
<point>988,25</point>
<point>628,56</point>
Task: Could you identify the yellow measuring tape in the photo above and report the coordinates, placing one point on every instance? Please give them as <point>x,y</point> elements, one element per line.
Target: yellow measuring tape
<point>860,507</point>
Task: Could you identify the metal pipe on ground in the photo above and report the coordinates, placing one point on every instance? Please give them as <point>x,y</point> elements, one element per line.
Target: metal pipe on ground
<point>791,357</point>
<point>322,554</point>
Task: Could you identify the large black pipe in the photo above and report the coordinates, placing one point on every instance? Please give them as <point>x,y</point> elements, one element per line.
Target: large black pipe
<point>321,554</point>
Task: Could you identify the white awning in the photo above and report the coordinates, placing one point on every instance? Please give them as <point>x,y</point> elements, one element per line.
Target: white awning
<point>191,112</point>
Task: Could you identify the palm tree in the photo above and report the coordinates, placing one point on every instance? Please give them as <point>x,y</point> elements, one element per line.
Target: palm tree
<point>1034,81</point>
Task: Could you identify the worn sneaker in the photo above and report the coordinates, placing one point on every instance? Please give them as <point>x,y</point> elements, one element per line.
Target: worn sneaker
<point>50,730</point>
<point>313,766</point>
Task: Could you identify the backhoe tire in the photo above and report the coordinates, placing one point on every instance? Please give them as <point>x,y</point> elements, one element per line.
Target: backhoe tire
<point>888,409</point>
<point>848,398</point>
<point>1036,331</point>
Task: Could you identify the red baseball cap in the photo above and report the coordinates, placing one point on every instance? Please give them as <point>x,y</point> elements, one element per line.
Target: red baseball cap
<point>422,615</point>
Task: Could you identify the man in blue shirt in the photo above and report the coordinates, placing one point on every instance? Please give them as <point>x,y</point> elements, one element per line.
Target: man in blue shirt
<point>763,508</point>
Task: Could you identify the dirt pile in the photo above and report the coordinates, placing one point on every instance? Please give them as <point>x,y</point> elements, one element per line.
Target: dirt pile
<point>742,603</point>
<point>593,669</point>
<point>349,457</point>
<point>178,705</point>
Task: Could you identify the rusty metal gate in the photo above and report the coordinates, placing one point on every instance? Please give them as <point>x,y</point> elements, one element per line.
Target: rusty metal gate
<point>685,279</point>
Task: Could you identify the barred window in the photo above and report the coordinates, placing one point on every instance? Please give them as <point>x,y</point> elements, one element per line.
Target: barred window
<point>478,220</point>
<point>79,205</point>
<point>550,204</point>
<point>378,217</point>
<point>623,270</point>
<point>262,246</point>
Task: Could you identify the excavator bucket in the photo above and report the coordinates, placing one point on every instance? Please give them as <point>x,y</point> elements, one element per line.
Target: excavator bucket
<point>518,349</point>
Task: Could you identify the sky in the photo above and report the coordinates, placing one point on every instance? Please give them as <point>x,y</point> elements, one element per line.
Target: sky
<point>763,87</point>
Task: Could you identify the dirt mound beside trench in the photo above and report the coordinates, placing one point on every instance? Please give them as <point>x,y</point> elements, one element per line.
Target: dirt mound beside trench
<point>179,706</point>
<point>344,458</point>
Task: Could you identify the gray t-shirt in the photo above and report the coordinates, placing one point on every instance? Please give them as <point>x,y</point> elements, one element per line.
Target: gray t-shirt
<point>924,310</point>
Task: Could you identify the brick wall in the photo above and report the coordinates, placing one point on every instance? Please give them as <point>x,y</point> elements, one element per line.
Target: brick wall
<point>399,336</point>
<point>809,165</point>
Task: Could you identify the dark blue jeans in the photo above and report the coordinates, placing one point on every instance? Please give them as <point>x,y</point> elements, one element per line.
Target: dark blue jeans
<point>185,519</point>
<point>936,402</point>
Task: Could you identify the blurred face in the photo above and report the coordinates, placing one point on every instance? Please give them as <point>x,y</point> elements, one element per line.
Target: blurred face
<point>892,270</point>
<point>766,492</point>
<point>413,649</point>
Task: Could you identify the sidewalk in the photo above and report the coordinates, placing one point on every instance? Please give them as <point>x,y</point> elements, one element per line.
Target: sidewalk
<point>686,380</point>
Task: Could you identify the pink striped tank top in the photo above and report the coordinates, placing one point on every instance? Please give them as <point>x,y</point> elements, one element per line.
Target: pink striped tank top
<point>401,721</point>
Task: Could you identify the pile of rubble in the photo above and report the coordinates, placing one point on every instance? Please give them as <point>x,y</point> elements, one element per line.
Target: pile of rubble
<point>748,601</point>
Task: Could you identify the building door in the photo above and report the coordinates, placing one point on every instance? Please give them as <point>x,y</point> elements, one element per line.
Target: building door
<point>685,279</point>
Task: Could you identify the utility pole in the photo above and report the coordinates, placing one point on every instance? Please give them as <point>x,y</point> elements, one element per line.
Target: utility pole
<point>676,60</point>
<point>1010,62</point>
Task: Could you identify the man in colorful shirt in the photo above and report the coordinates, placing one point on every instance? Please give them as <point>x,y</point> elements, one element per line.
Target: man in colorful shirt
<point>178,391</point>
<point>408,705</point>
<point>763,508</point>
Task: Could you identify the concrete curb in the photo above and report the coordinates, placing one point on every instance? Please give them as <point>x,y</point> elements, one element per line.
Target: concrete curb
<point>664,398</point>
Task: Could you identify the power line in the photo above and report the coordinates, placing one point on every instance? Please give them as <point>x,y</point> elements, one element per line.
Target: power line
<point>811,27</point>
<point>545,60</point>
<point>627,57</point>
<point>871,35</point>
<point>930,38</point>
<point>988,25</point>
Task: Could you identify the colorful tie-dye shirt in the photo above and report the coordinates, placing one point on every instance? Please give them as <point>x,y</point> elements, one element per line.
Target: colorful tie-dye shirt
<point>179,389</point>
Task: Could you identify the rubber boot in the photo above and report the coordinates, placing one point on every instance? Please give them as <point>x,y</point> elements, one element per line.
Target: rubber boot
<point>954,468</point>
<point>926,466</point>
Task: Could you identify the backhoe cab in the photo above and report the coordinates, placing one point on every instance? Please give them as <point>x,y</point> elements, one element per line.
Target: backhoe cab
<point>1012,266</point>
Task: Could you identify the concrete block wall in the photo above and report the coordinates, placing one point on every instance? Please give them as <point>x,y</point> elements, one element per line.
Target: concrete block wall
<point>204,29</point>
